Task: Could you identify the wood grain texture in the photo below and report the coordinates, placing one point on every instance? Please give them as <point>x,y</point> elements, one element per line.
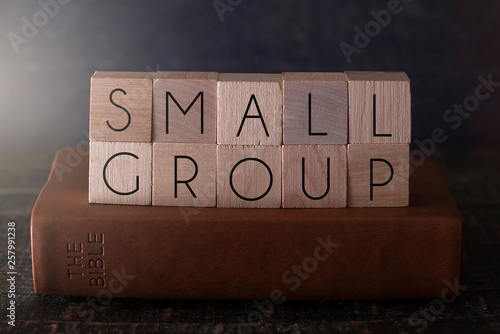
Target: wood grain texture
<point>128,173</point>
<point>129,118</point>
<point>314,108</point>
<point>252,95</point>
<point>192,107</point>
<point>472,175</point>
<point>196,163</point>
<point>214,253</point>
<point>255,174</point>
<point>370,182</point>
<point>318,182</point>
<point>392,107</point>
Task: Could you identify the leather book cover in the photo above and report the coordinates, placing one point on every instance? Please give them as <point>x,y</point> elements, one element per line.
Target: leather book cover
<point>99,250</point>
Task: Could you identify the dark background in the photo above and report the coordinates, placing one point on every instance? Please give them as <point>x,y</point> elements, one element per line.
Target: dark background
<point>444,46</point>
<point>44,88</point>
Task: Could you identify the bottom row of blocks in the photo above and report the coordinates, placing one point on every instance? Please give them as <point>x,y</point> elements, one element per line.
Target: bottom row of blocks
<point>288,176</point>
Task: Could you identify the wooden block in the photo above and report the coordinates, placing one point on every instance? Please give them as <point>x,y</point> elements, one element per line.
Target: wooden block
<point>249,109</point>
<point>184,107</point>
<point>238,254</point>
<point>314,108</point>
<point>248,176</point>
<point>378,175</point>
<point>120,173</point>
<point>314,176</point>
<point>184,174</point>
<point>379,107</point>
<point>121,106</point>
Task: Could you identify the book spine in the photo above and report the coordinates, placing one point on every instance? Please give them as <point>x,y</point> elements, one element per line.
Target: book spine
<point>252,261</point>
<point>82,249</point>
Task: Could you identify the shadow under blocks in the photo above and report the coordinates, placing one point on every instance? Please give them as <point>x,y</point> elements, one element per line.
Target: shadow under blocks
<point>231,140</point>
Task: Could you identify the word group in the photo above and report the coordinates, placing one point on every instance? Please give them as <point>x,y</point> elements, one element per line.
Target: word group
<point>230,140</point>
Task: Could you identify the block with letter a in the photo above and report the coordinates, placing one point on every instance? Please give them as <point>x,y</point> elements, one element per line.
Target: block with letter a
<point>249,109</point>
<point>250,140</point>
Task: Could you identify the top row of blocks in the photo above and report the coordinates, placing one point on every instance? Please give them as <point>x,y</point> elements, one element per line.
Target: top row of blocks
<point>251,109</point>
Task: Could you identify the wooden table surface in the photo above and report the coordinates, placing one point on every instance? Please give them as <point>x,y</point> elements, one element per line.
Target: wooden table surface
<point>473,180</point>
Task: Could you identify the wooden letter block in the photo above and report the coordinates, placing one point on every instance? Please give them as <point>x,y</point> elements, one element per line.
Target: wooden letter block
<point>314,108</point>
<point>379,108</point>
<point>249,109</point>
<point>184,174</point>
<point>378,175</point>
<point>120,173</point>
<point>249,176</point>
<point>184,107</point>
<point>121,106</point>
<point>314,176</point>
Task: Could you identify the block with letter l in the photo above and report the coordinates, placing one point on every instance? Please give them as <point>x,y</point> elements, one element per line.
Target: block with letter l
<point>120,173</point>
<point>314,108</point>
<point>121,106</point>
<point>379,108</point>
<point>185,107</point>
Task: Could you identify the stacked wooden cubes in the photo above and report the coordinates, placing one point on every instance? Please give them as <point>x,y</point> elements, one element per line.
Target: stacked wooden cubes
<point>291,140</point>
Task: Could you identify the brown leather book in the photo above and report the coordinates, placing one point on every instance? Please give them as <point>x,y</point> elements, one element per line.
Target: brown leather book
<point>265,254</point>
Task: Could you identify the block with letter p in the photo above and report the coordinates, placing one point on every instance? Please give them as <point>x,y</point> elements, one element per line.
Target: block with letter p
<point>378,175</point>
<point>185,107</point>
<point>121,106</point>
